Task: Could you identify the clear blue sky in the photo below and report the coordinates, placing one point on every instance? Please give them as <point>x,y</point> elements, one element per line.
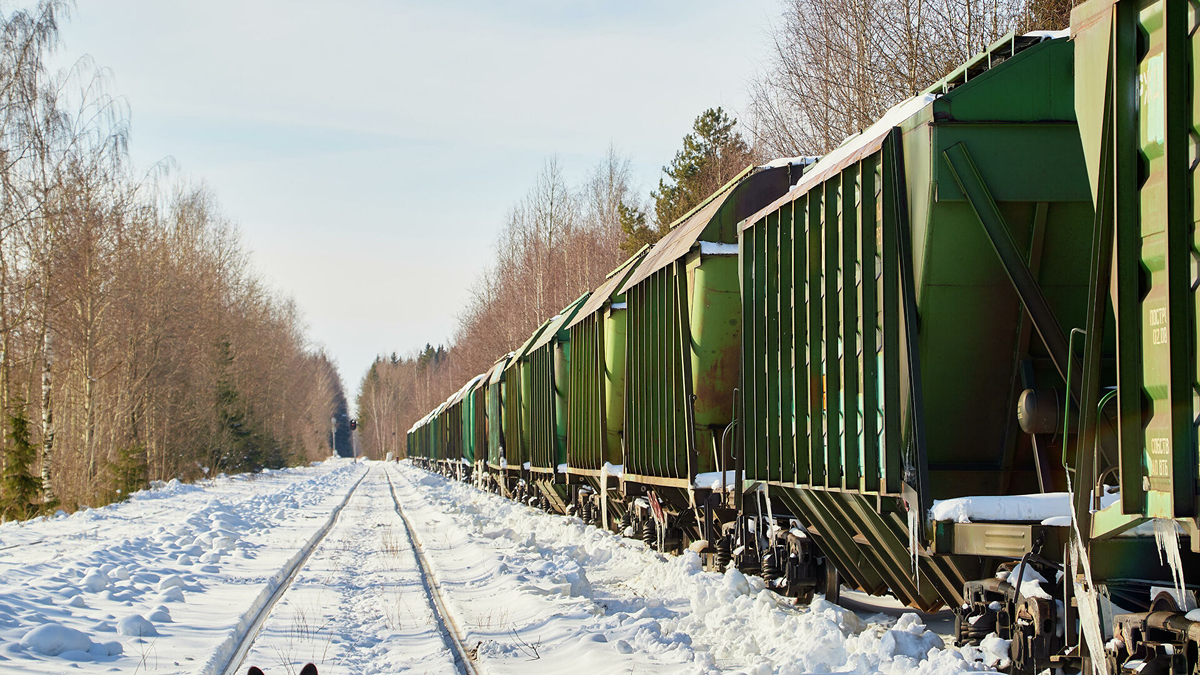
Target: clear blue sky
<point>369,149</point>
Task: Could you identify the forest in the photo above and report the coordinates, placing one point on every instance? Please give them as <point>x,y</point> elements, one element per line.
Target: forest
<point>834,67</point>
<point>136,342</point>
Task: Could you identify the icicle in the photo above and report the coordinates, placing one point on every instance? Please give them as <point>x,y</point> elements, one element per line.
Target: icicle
<point>1086,596</point>
<point>770,513</point>
<point>757,525</point>
<point>1089,607</point>
<point>661,531</point>
<point>914,544</point>
<point>604,496</point>
<point>1166,536</point>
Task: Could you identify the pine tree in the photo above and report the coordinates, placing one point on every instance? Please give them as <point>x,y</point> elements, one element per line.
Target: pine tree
<point>130,471</point>
<point>637,231</point>
<point>711,156</point>
<point>21,488</point>
<point>237,450</point>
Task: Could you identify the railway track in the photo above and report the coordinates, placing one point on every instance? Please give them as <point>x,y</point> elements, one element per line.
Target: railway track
<point>451,633</point>
<point>239,653</point>
<point>443,621</point>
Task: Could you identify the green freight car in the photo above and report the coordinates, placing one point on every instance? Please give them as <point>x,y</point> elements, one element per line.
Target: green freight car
<point>929,361</point>
<point>516,415</point>
<point>885,348</point>
<point>549,381</point>
<point>450,435</point>
<point>469,410</point>
<point>682,357</point>
<point>422,440</point>
<point>1135,94</point>
<point>494,402</point>
<point>596,404</point>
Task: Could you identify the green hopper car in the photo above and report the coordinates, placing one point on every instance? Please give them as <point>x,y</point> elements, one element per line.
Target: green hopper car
<point>596,405</point>
<point>549,361</point>
<point>517,378</point>
<point>885,348</point>
<point>682,356</point>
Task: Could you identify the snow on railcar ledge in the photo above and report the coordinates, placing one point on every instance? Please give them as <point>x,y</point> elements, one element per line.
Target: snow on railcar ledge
<point>1047,509</point>
<point>717,248</point>
<point>801,160</point>
<point>1048,34</point>
<point>712,480</point>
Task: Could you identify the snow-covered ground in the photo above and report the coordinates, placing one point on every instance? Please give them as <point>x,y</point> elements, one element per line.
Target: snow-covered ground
<point>163,582</point>
<point>536,591</point>
<point>359,605</point>
<point>169,581</point>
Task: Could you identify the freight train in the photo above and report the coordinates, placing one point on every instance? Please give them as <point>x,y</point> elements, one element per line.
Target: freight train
<point>953,361</point>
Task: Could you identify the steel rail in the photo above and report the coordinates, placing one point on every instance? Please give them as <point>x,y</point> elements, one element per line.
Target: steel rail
<point>239,654</point>
<point>445,621</point>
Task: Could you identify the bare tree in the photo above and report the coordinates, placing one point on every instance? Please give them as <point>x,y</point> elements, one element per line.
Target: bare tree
<point>130,322</point>
<point>838,65</point>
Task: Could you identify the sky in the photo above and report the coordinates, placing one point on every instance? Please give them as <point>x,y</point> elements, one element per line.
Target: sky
<point>370,150</point>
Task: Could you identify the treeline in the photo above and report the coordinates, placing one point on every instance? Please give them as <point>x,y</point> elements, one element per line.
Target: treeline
<point>136,344</point>
<point>557,243</point>
<point>835,68</point>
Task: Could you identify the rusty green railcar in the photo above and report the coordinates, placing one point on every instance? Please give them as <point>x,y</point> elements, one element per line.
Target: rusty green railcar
<point>493,387</point>
<point>517,397</point>
<point>682,355</point>
<point>596,405</point>
<point>885,347</point>
<point>549,362</point>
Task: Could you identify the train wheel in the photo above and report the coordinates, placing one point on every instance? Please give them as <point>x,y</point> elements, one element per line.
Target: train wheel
<point>831,585</point>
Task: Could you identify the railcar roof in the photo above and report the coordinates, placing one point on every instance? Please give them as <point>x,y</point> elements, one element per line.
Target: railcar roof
<point>559,322</point>
<point>752,187</point>
<point>684,233</point>
<point>610,287</point>
<point>863,144</point>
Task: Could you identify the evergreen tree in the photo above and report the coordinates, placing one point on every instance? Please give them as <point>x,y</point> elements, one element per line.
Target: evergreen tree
<point>711,156</point>
<point>637,231</point>
<point>130,471</point>
<point>236,448</point>
<point>21,488</point>
<point>430,356</point>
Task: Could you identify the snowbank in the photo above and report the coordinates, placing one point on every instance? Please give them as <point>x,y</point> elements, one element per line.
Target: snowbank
<point>167,574</point>
<point>609,604</point>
